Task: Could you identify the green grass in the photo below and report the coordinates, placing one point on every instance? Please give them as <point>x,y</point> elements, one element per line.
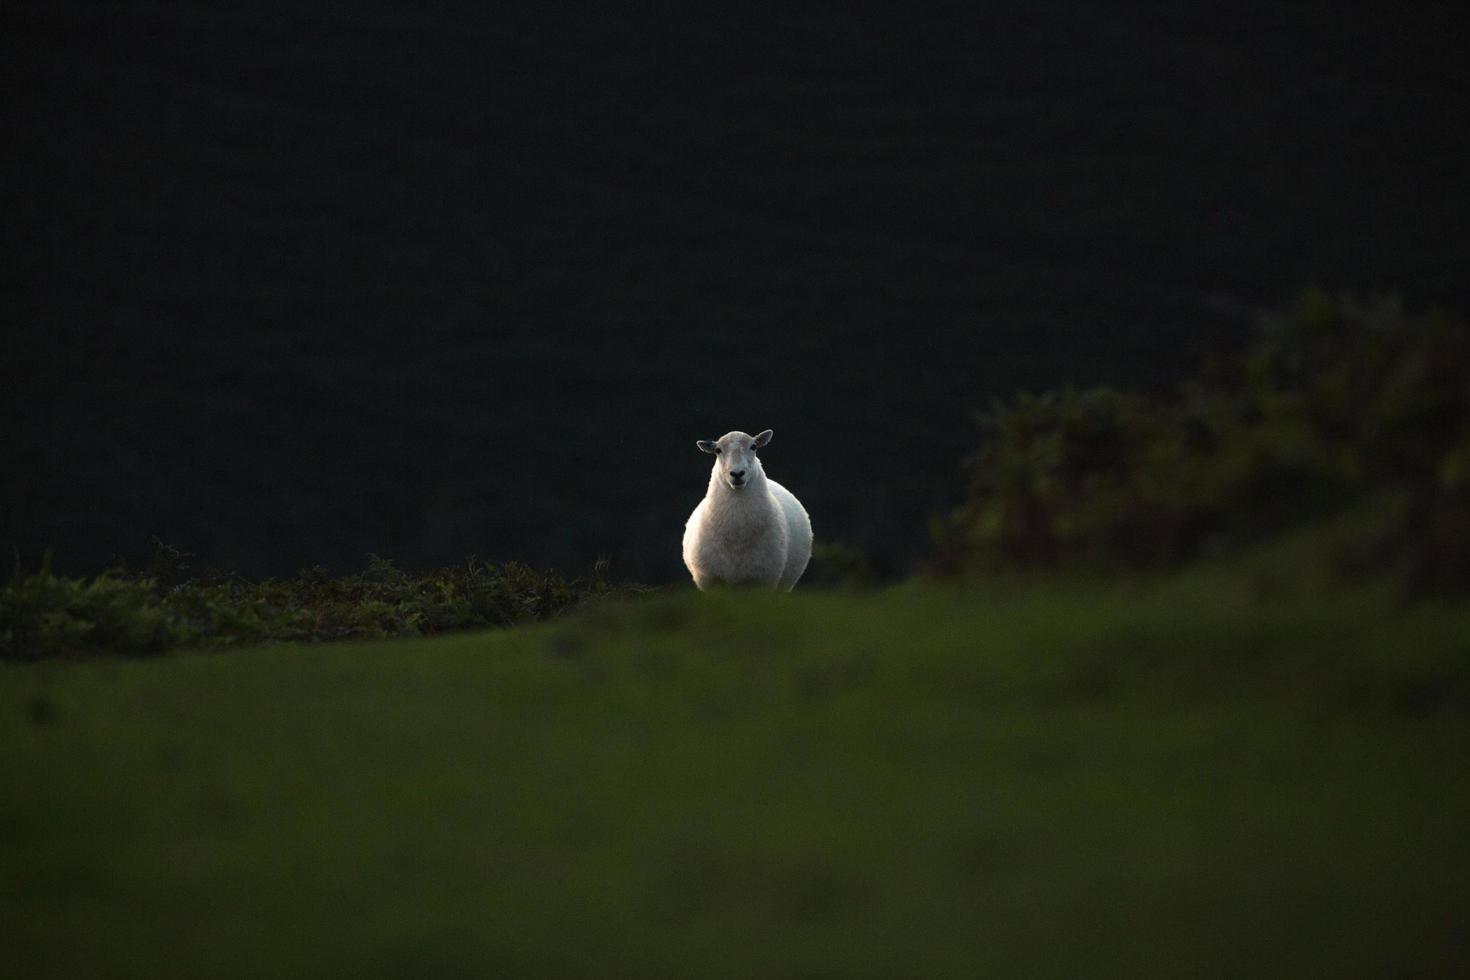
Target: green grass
<point>1221,774</point>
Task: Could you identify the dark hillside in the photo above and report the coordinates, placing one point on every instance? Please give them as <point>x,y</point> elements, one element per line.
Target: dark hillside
<point>285,284</point>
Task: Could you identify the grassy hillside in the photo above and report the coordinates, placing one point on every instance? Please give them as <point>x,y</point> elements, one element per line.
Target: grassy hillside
<point>1227,774</point>
<point>285,286</point>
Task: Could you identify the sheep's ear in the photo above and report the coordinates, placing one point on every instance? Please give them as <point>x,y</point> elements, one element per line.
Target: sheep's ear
<point>707,446</point>
<point>763,438</point>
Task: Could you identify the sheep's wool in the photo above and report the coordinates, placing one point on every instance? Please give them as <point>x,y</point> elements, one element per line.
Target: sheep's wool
<point>748,529</point>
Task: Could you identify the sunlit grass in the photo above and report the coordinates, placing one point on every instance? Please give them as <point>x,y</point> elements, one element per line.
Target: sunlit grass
<point>1199,777</point>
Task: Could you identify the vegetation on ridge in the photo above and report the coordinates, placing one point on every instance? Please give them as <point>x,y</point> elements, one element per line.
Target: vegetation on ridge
<point>45,615</point>
<point>1336,405</point>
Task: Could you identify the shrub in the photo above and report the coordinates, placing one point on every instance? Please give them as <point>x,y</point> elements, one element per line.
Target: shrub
<point>45,615</point>
<point>1334,403</point>
<point>836,563</point>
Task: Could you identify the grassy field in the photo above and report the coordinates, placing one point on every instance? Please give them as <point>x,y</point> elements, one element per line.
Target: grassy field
<point>1221,774</point>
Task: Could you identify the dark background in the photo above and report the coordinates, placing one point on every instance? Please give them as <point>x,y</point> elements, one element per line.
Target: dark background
<point>286,284</point>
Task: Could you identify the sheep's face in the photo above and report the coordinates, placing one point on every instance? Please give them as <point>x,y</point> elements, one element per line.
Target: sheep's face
<point>735,459</point>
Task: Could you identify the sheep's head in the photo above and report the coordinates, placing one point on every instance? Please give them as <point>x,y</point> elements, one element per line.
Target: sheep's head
<point>735,461</point>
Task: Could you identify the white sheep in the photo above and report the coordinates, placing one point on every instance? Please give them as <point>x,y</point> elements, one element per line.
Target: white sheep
<point>748,530</point>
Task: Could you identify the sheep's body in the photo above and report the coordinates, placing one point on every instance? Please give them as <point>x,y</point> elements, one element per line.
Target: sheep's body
<point>754,534</point>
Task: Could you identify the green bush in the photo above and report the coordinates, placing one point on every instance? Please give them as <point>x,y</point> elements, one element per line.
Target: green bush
<point>1336,403</point>
<point>45,615</point>
<point>838,564</point>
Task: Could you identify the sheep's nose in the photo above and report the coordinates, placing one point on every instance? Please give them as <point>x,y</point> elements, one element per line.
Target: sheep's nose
<point>737,474</point>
